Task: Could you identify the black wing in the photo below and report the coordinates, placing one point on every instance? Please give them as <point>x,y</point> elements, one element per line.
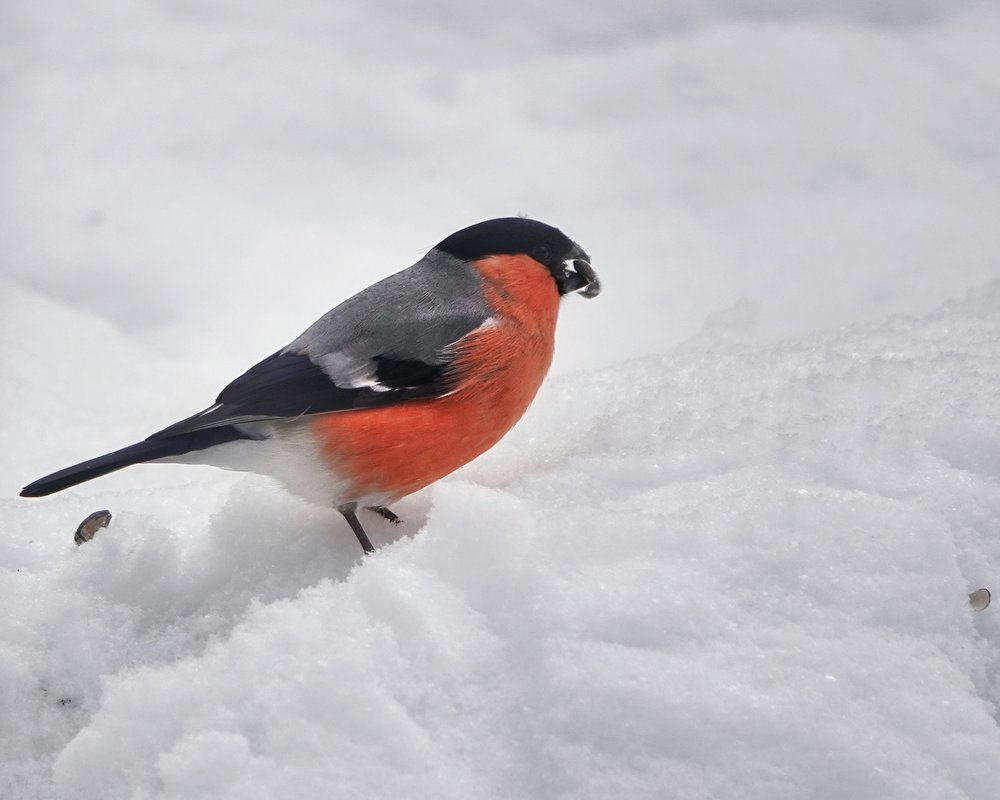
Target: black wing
<point>292,385</point>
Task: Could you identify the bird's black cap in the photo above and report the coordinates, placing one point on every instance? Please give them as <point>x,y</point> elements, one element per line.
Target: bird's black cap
<point>510,236</point>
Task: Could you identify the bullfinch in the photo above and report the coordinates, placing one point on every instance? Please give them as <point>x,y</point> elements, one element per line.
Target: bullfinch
<point>397,386</point>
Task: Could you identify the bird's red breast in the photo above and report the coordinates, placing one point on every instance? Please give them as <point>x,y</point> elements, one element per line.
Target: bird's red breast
<point>395,450</point>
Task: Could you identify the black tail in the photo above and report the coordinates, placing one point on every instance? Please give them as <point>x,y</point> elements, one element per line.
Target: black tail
<point>138,453</point>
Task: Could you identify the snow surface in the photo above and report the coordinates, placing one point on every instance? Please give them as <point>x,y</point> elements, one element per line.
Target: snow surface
<point>757,591</point>
<point>731,561</point>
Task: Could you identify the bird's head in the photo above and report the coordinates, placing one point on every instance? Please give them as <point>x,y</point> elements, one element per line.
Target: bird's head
<point>567,262</point>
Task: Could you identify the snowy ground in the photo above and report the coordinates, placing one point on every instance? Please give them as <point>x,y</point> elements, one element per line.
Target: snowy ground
<point>731,562</point>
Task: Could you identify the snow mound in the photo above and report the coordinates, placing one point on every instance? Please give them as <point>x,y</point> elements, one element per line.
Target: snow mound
<point>730,571</point>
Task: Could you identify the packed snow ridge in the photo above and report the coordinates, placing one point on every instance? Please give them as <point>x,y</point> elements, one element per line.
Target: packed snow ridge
<point>732,570</point>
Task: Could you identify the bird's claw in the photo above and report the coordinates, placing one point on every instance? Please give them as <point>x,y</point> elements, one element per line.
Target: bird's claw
<point>385,513</point>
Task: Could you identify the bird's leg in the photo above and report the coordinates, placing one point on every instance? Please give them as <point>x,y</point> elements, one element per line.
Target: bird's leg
<point>352,519</point>
<point>385,513</point>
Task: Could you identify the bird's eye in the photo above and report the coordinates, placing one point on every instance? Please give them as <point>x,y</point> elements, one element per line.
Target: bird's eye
<point>541,252</point>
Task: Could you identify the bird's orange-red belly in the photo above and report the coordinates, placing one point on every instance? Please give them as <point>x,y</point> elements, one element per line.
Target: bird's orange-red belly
<point>395,450</point>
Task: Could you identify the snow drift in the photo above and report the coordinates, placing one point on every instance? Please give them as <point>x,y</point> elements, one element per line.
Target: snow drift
<point>727,557</point>
<point>731,570</point>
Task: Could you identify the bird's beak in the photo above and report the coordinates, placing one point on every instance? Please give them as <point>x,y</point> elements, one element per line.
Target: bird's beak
<point>578,276</point>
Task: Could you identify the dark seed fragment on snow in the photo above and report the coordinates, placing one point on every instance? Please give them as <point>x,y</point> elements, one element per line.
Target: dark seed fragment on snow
<point>86,530</point>
<point>979,599</point>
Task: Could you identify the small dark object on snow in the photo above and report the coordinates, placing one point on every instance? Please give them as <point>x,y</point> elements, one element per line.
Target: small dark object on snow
<point>85,532</point>
<point>980,599</point>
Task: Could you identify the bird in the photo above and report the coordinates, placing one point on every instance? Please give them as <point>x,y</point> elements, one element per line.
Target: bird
<point>394,388</point>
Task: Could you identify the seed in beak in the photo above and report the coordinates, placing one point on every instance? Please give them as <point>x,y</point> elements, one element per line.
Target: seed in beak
<point>592,286</point>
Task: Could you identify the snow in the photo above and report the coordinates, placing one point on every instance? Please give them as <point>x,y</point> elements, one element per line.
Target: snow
<point>728,552</point>
<point>758,591</point>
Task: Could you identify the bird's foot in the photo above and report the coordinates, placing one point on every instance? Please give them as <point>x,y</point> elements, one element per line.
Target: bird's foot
<point>385,513</point>
<point>352,519</point>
